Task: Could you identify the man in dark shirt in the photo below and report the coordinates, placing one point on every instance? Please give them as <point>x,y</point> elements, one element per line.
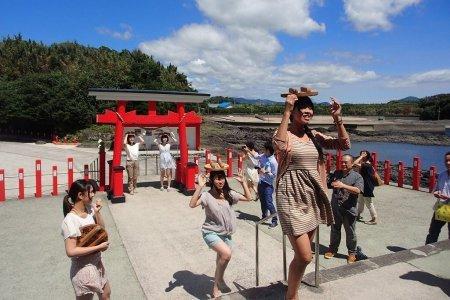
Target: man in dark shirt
<point>347,185</point>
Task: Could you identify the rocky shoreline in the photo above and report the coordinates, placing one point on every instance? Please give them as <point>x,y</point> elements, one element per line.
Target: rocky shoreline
<point>219,136</point>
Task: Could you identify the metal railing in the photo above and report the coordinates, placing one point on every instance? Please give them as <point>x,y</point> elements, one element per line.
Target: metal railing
<point>316,254</point>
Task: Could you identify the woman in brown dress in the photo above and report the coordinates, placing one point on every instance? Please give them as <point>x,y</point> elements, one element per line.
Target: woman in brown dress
<point>302,202</point>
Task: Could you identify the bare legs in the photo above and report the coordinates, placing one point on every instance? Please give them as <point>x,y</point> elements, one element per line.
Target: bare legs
<point>106,292</point>
<point>303,256</point>
<point>222,260</point>
<point>166,174</point>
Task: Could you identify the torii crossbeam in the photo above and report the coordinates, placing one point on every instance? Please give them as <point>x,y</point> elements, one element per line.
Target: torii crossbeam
<point>121,119</point>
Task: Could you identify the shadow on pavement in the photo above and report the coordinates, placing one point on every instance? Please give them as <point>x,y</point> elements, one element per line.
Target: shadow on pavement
<point>273,291</point>
<point>197,285</point>
<point>248,217</point>
<point>429,279</point>
<point>395,248</point>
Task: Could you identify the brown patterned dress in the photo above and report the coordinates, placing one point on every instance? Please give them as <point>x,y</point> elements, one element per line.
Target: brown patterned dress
<point>302,202</point>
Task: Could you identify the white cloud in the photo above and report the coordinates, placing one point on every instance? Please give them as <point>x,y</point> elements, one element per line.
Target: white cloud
<point>433,76</point>
<point>370,15</point>
<point>235,54</point>
<point>125,35</point>
<point>290,16</point>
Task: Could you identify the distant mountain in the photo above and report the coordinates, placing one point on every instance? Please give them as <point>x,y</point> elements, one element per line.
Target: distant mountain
<point>406,100</point>
<point>256,101</point>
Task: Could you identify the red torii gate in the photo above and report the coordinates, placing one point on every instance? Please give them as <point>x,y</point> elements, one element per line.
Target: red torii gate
<point>121,119</point>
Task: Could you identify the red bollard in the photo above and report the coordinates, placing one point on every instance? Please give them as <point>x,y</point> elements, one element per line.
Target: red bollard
<point>55,181</point>
<point>21,185</point>
<point>2,185</point>
<point>230,162</point>
<point>432,179</point>
<point>190,177</point>
<point>338,159</point>
<point>387,172</point>
<point>240,162</point>
<point>86,172</point>
<point>328,163</point>
<point>375,160</point>
<point>401,174</point>
<point>416,173</point>
<point>207,156</point>
<point>69,172</point>
<point>38,175</point>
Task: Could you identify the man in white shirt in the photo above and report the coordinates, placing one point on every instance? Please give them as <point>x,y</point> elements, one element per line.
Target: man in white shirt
<point>132,150</point>
<point>442,193</point>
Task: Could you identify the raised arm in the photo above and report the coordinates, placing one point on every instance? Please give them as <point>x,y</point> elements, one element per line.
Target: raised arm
<point>240,177</point>
<point>125,139</point>
<point>281,134</point>
<point>336,113</point>
<point>97,206</point>
<point>195,199</point>
<point>172,135</point>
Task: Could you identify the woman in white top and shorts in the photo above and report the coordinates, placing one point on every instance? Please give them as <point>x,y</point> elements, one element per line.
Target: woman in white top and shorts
<point>87,272</point>
<point>132,167</point>
<point>166,161</point>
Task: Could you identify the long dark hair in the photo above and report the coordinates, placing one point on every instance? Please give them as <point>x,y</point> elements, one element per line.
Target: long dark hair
<point>306,102</point>
<point>226,188</point>
<point>78,186</point>
<point>369,155</point>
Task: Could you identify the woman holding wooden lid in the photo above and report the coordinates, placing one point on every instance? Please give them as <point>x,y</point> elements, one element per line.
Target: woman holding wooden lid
<point>87,272</point>
<point>302,202</point>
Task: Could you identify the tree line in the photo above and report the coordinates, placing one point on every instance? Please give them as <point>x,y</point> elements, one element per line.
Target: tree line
<point>45,87</point>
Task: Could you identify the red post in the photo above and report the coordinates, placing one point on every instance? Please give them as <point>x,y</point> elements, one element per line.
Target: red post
<point>401,174</point>
<point>102,162</point>
<point>230,162</point>
<point>387,172</point>
<point>38,176</point>
<point>375,160</point>
<point>328,162</point>
<point>55,181</point>
<point>207,156</point>
<point>86,172</point>
<point>338,159</point>
<point>21,184</point>
<point>240,162</point>
<point>182,138</point>
<point>416,173</point>
<point>432,179</point>
<point>117,195</point>
<point>69,172</point>
<point>2,185</point>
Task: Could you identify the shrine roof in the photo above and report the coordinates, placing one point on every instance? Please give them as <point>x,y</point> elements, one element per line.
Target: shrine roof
<point>147,95</point>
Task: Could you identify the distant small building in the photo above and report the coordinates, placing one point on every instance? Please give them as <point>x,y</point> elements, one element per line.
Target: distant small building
<point>223,105</point>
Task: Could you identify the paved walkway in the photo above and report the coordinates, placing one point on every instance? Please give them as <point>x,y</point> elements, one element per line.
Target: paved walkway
<point>33,262</point>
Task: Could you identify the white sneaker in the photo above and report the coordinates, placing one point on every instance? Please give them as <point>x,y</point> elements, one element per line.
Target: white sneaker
<point>162,188</point>
<point>169,189</point>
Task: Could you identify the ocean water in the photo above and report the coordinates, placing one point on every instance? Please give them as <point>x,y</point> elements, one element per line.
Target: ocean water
<point>395,152</point>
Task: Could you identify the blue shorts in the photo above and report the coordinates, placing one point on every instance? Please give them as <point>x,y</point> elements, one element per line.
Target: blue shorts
<point>212,238</point>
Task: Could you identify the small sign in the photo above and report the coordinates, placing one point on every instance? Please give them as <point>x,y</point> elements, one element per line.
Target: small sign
<point>38,167</point>
<point>55,173</point>
<point>70,165</point>
<point>20,176</point>
<point>1,177</point>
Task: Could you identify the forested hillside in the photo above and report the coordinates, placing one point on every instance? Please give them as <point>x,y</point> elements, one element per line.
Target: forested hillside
<point>44,88</point>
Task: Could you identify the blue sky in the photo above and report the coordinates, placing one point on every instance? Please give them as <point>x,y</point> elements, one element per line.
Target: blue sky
<point>358,51</point>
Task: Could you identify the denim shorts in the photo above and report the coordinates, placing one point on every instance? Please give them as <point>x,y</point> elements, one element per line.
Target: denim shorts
<point>212,238</point>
